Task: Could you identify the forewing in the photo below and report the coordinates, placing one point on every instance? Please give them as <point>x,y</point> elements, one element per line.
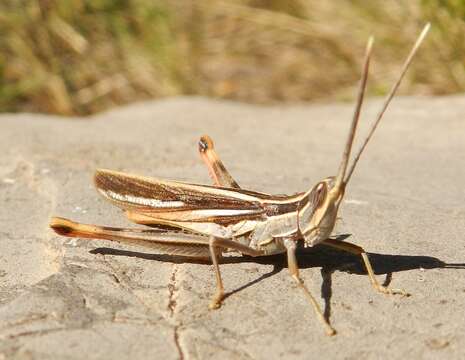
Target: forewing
<point>149,195</point>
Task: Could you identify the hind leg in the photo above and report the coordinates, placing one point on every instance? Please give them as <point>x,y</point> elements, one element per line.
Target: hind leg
<point>217,170</point>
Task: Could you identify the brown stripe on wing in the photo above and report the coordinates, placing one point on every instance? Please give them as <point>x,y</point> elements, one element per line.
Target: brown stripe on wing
<point>154,195</point>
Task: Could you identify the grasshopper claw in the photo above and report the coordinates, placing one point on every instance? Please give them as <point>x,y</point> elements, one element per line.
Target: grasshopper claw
<point>215,303</point>
<point>388,291</point>
<point>330,331</point>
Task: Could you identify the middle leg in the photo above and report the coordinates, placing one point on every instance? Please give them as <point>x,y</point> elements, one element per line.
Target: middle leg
<point>215,252</point>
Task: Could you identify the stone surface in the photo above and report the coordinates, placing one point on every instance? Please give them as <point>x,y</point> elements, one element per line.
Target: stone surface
<point>74,298</point>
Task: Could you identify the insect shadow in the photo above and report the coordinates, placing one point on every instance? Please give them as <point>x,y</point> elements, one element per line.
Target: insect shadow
<point>328,259</point>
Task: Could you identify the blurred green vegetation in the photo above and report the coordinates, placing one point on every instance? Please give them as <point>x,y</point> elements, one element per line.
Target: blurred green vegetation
<point>83,56</point>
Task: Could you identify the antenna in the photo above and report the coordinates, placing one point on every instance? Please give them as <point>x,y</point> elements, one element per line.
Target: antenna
<point>389,98</point>
<point>356,117</point>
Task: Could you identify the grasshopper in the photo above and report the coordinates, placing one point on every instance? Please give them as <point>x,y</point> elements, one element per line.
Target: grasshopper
<point>202,221</point>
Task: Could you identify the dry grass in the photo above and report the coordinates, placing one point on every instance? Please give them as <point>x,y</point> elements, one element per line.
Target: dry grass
<point>84,56</point>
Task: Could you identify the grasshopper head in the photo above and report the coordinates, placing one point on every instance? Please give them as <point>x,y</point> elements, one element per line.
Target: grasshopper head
<point>317,211</point>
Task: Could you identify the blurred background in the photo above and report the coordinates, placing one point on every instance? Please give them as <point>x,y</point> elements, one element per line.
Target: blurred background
<point>79,57</point>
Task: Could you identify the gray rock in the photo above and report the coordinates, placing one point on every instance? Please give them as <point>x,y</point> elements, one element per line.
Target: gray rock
<point>75,298</point>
